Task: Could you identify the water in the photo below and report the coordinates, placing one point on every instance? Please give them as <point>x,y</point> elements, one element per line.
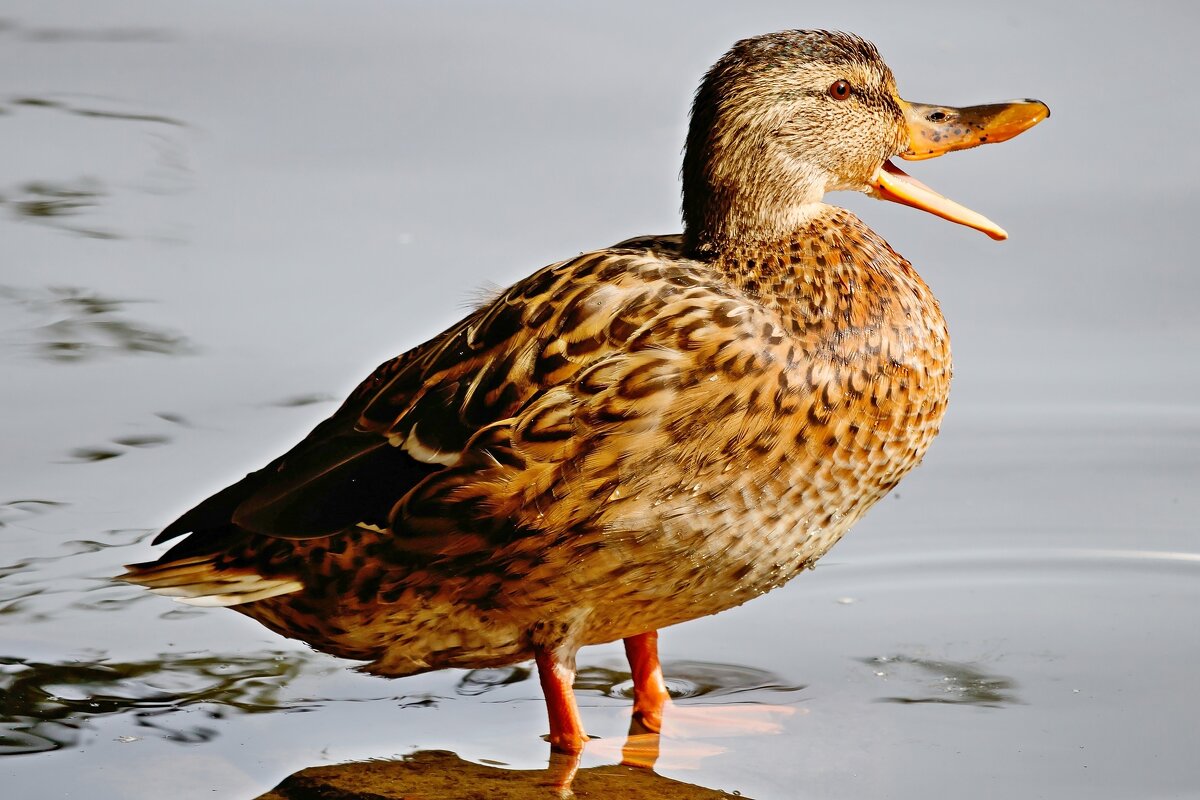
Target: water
<point>217,217</point>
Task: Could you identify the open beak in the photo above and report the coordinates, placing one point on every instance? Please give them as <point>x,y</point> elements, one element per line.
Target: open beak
<point>936,130</point>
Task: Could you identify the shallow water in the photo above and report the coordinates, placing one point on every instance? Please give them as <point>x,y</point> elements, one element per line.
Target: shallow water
<point>217,217</point>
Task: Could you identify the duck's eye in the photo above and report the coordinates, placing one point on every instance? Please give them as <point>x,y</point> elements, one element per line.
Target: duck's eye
<point>839,90</point>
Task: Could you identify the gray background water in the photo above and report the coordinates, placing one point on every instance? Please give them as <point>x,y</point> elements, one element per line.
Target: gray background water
<point>218,216</point>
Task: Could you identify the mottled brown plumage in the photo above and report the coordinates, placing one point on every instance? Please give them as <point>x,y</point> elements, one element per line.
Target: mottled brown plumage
<point>624,440</point>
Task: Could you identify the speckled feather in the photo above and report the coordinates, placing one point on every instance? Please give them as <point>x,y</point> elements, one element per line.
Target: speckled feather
<point>663,439</point>
<point>629,439</point>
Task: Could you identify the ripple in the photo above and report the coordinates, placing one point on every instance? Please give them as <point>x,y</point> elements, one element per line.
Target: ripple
<point>1029,564</point>
<point>105,452</point>
<point>37,571</point>
<point>14,510</point>
<point>42,199</point>
<point>303,400</point>
<point>146,440</point>
<point>91,454</point>
<point>64,35</point>
<point>94,113</point>
<point>59,204</point>
<point>686,679</point>
<point>482,681</point>
<point>85,325</point>
<point>49,705</point>
<point>947,682</point>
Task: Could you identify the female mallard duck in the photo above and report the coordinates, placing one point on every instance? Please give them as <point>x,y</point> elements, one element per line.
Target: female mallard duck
<point>634,437</point>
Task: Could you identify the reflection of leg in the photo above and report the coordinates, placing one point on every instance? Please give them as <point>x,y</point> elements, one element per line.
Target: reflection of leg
<point>561,772</point>
<point>566,728</point>
<point>649,689</point>
<point>641,749</point>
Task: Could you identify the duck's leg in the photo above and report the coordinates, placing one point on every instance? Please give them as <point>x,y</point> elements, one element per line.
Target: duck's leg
<point>649,689</point>
<point>557,678</point>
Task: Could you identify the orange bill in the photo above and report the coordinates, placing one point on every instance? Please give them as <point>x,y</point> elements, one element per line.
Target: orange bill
<point>937,130</point>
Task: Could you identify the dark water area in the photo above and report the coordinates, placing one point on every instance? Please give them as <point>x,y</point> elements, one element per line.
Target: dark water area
<point>216,217</point>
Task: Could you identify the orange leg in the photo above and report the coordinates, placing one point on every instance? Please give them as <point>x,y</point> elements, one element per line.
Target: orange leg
<point>649,689</point>
<point>566,728</point>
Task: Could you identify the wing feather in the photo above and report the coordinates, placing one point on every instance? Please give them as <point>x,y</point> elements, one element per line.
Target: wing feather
<point>444,409</point>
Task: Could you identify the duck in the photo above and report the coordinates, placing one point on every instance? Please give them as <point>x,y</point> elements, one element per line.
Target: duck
<point>634,437</point>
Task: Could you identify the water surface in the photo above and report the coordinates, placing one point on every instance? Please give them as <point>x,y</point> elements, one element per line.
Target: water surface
<point>216,217</point>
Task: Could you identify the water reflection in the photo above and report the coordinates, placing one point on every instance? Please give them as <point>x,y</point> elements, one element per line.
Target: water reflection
<point>949,682</point>
<point>441,775</point>
<point>50,705</point>
<point>86,325</point>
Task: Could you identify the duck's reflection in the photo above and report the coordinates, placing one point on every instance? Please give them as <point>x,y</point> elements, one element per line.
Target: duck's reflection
<point>442,775</point>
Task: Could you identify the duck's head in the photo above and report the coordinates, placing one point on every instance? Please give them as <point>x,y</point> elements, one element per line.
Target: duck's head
<point>784,118</point>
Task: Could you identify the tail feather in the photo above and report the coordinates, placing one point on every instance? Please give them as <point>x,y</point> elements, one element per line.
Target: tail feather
<point>197,581</point>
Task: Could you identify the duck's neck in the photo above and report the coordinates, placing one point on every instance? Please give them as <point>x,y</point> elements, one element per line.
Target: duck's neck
<point>734,193</point>
<point>830,253</point>
<point>748,226</point>
<point>800,233</point>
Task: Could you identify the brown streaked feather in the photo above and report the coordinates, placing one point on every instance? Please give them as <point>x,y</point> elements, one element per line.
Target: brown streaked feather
<point>200,581</point>
<point>627,439</point>
<point>416,416</point>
